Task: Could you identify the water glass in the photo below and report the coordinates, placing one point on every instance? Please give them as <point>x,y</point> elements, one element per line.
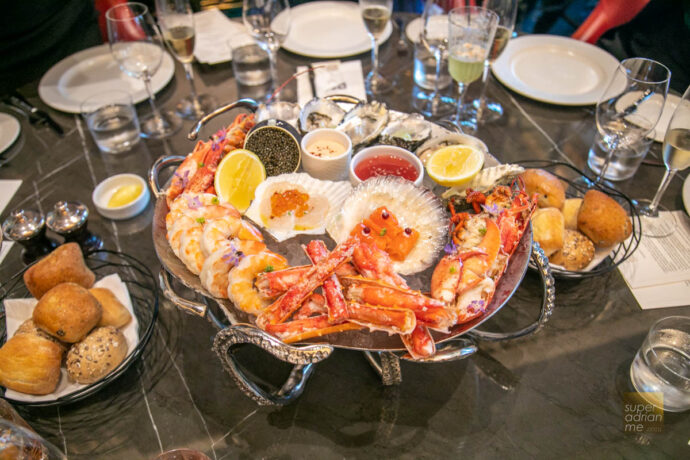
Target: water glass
<point>662,365</point>
<point>112,121</point>
<point>425,69</point>
<point>250,63</point>
<point>624,161</point>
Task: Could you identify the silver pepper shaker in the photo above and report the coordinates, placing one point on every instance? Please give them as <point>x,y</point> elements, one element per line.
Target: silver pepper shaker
<point>27,227</point>
<point>69,219</point>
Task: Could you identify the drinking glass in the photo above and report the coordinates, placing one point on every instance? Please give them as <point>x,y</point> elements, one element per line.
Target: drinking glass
<point>268,22</point>
<point>471,33</point>
<point>136,45</point>
<point>488,110</point>
<point>662,364</point>
<point>631,105</point>
<point>676,153</point>
<point>434,38</point>
<point>376,14</point>
<point>177,24</point>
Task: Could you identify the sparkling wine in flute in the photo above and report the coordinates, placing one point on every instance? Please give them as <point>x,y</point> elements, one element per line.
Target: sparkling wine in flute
<point>500,42</point>
<point>375,19</point>
<point>466,62</point>
<point>677,149</point>
<point>180,39</point>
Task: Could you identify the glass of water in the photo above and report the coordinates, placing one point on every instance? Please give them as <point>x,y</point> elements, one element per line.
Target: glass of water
<point>112,121</point>
<point>250,62</point>
<point>662,365</point>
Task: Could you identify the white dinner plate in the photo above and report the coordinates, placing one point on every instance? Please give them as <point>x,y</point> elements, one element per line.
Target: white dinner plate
<point>91,71</point>
<point>555,70</point>
<point>9,131</point>
<point>686,194</point>
<point>329,30</point>
<point>414,28</point>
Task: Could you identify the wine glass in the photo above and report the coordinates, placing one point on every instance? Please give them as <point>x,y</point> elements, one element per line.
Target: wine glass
<point>376,14</point>
<point>676,153</point>
<point>268,22</point>
<point>471,33</point>
<point>136,45</point>
<point>177,24</point>
<point>434,38</point>
<point>630,107</point>
<point>488,110</point>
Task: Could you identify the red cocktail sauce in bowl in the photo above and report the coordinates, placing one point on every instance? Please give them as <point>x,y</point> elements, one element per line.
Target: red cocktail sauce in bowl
<point>385,160</point>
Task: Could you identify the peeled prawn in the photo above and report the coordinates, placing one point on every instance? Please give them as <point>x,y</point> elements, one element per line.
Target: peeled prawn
<point>214,272</point>
<point>241,289</point>
<point>217,231</point>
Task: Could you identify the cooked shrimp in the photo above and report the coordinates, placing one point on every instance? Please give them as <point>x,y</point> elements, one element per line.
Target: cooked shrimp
<point>214,272</point>
<point>217,231</point>
<point>241,289</point>
<point>178,228</point>
<point>190,249</point>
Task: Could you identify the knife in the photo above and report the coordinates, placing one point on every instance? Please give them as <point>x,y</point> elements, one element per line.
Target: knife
<point>36,116</point>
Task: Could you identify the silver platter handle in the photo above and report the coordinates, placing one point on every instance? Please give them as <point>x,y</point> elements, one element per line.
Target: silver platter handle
<point>246,103</point>
<point>188,306</point>
<point>547,305</point>
<point>303,358</point>
<point>156,168</point>
<point>451,350</point>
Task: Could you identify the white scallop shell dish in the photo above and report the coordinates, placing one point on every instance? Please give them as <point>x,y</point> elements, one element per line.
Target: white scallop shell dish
<point>413,206</point>
<point>324,199</point>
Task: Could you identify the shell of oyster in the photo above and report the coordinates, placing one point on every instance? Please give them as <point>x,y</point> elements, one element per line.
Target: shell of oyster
<point>364,122</point>
<point>320,113</point>
<point>280,110</point>
<point>486,179</point>
<point>409,132</point>
<point>413,206</point>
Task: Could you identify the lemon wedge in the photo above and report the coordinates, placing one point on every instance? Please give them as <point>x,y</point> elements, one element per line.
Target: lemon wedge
<point>124,194</point>
<point>455,165</point>
<point>237,177</point>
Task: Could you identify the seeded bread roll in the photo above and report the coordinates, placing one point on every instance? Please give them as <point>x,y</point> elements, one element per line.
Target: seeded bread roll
<point>67,312</point>
<point>603,220</point>
<point>29,327</point>
<point>63,265</point>
<point>577,251</point>
<point>570,210</point>
<point>30,364</point>
<point>548,228</point>
<point>550,189</point>
<point>94,357</point>
<point>114,313</point>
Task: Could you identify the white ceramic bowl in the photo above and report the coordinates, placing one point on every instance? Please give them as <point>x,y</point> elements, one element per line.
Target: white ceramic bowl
<point>326,168</point>
<point>103,191</point>
<point>388,150</point>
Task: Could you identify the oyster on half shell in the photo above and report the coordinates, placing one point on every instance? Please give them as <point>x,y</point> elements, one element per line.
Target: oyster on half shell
<point>320,113</point>
<point>364,122</point>
<point>413,206</point>
<point>409,132</point>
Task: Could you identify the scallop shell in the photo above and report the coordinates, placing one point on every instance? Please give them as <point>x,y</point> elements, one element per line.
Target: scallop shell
<point>364,122</point>
<point>414,207</point>
<point>320,113</point>
<point>486,179</point>
<point>333,193</point>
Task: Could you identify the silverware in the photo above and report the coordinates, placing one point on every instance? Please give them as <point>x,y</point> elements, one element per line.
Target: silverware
<point>312,81</point>
<point>36,116</point>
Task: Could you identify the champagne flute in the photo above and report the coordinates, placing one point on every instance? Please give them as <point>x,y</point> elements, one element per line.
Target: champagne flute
<point>136,45</point>
<point>177,24</point>
<point>434,38</point>
<point>376,14</point>
<point>676,153</point>
<point>268,22</point>
<point>630,107</point>
<point>471,33</point>
<point>488,110</point>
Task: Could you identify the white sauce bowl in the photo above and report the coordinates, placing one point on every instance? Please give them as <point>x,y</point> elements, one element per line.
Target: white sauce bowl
<point>326,168</point>
<point>105,190</point>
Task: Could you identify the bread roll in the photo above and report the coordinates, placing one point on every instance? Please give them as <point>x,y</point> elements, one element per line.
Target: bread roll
<point>94,357</point>
<point>603,220</point>
<point>550,189</point>
<point>67,312</point>
<point>577,251</point>
<point>30,364</point>
<point>29,327</point>
<point>65,264</point>
<point>114,313</point>
<point>548,228</point>
<point>571,207</point>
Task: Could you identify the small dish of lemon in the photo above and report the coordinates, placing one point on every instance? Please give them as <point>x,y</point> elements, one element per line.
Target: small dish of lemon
<point>455,165</point>
<point>122,196</point>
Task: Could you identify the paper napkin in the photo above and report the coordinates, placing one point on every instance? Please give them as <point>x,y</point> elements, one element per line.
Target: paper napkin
<point>7,190</point>
<point>331,77</point>
<point>216,35</point>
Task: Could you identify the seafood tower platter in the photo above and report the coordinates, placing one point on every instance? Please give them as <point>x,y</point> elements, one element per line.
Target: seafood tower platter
<point>346,224</point>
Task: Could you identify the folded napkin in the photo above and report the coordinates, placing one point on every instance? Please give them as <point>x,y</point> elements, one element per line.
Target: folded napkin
<point>331,77</point>
<point>7,190</point>
<point>215,35</point>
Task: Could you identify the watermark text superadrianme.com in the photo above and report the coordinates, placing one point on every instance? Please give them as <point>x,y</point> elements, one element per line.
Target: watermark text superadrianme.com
<point>640,416</point>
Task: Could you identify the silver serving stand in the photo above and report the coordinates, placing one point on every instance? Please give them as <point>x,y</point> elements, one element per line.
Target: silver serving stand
<point>303,357</point>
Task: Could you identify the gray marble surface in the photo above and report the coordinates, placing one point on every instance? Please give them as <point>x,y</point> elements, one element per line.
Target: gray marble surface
<point>555,394</point>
